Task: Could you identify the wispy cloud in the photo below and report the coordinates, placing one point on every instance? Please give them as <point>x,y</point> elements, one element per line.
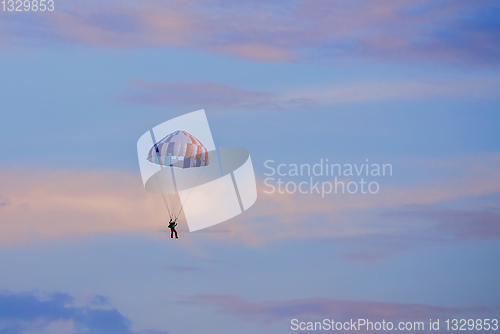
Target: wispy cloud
<point>429,225</point>
<point>267,312</point>
<point>110,24</point>
<point>472,87</point>
<point>222,97</point>
<point>204,94</point>
<point>447,31</point>
<point>456,224</point>
<point>377,247</point>
<point>184,269</point>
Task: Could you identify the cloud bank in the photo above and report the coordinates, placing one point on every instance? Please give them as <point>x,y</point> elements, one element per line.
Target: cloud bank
<point>60,205</point>
<point>447,31</point>
<point>57,313</point>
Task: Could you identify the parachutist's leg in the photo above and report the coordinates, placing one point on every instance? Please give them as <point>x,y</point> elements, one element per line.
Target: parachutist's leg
<point>175,233</point>
<point>172,233</point>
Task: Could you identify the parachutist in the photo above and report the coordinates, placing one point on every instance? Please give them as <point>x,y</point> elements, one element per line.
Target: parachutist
<point>171,226</point>
<point>183,156</point>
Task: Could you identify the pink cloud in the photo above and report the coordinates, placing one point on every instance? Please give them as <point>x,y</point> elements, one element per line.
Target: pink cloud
<point>308,309</point>
<point>459,224</point>
<point>259,52</point>
<point>209,94</point>
<point>53,205</point>
<point>38,205</point>
<point>469,86</point>
<point>339,216</point>
<point>205,94</point>
<point>308,29</point>
<point>125,25</point>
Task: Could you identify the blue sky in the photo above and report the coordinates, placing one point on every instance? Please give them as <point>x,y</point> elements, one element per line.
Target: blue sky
<point>413,84</point>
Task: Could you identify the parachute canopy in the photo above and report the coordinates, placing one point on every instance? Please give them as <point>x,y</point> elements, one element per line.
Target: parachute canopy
<point>179,149</point>
<point>177,154</point>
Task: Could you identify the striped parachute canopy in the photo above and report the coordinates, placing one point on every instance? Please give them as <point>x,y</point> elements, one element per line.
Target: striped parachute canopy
<point>179,149</point>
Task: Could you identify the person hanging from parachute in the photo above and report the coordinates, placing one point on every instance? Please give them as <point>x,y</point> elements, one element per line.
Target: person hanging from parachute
<point>185,156</point>
<point>171,226</point>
